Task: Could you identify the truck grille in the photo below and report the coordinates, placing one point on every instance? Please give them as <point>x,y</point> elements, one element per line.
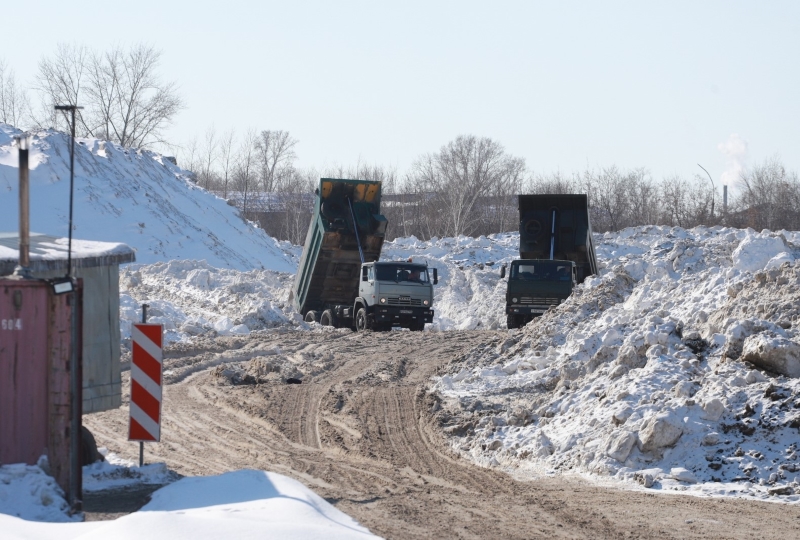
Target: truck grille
<point>401,301</point>
<point>537,300</point>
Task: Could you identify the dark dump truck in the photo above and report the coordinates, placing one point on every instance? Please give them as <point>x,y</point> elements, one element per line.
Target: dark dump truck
<point>340,282</point>
<point>556,253</point>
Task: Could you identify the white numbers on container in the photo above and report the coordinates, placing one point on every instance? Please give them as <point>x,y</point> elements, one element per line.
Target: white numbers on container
<point>11,324</point>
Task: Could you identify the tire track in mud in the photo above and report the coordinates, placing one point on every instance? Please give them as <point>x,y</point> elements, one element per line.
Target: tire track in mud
<point>359,433</point>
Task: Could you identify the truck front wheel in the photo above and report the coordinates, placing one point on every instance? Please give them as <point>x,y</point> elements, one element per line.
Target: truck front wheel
<point>417,326</point>
<point>512,322</point>
<point>362,320</point>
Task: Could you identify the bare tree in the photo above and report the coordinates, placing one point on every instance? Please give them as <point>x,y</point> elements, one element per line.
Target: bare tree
<point>769,197</point>
<point>296,196</point>
<point>245,171</point>
<point>608,196</point>
<point>552,184</point>
<point>123,98</point>
<point>674,200</point>
<point>189,158</point>
<point>14,103</point>
<point>60,82</point>
<point>207,174</point>
<point>462,173</point>
<point>226,160</point>
<point>643,205</point>
<point>128,101</point>
<point>275,156</point>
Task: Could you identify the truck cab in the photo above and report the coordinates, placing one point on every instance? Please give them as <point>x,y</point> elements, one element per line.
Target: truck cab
<point>395,293</point>
<point>536,285</point>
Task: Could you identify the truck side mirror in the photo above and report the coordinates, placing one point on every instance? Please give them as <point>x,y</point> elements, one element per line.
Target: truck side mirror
<point>364,273</point>
<point>502,271</point>
<point>435,276</point>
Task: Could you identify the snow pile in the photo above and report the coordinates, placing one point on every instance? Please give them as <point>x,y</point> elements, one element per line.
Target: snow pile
<point>192,298</point>
<point>260,366</point>
<point>130,196</point>
<point>28,492</point>
<point>239,504</point>
<point>650,371</point>
<point>116,472</point>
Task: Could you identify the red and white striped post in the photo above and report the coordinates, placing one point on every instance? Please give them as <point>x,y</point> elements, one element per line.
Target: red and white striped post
<point>146,370</point>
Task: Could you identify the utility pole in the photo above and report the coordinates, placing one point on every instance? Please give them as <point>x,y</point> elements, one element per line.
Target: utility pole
<point>713,191</point>
<point>75,383</point>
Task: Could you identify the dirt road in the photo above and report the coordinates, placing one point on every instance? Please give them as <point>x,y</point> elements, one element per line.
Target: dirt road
<point>359,432</point>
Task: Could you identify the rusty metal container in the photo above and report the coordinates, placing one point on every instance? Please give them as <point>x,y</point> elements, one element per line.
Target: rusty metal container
<point>35,404</point>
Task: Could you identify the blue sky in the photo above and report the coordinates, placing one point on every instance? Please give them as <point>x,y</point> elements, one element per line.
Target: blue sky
<point>564,85</point>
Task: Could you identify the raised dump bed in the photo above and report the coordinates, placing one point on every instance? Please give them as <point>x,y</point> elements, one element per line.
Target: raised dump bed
<point>330,267</point>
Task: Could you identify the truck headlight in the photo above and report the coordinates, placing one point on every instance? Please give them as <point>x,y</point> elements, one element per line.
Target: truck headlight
<point>383,300</point>
<point>515,300</point>
<point>425,302</point>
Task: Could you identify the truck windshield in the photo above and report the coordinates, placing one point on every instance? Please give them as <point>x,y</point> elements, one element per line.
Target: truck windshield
<point>541,271</point>
<point>401,272</point>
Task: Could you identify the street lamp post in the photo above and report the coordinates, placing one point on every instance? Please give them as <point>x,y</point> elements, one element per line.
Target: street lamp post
<point>75,494</point>
<point>713,191</point>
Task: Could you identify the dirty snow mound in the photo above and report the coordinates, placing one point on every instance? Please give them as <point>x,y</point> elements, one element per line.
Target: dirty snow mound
<point>664,370</point>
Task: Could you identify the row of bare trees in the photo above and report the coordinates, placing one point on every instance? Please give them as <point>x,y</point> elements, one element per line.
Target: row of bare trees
<point>13,99</point>
<point>123,98</point>
<point>469,187</point>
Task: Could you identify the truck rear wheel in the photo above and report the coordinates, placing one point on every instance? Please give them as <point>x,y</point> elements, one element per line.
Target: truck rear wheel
<point>328,319</point>
<point>363,321</point>
<point>312,316</point>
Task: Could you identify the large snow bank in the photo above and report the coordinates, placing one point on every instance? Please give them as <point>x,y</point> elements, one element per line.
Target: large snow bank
<point>639,374</point>
<point>135,197</point>
<point>239,504</point>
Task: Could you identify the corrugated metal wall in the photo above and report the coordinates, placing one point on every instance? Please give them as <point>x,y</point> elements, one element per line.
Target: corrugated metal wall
<point>35,408</point>
<point>24,363</point>
<point>101,336</point>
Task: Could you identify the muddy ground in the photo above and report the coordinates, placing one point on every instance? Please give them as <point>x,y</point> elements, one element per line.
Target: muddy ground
<point>359,431</point>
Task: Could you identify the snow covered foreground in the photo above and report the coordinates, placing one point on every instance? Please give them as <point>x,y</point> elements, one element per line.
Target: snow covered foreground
<point>240,504</point>
<point>648,374</point>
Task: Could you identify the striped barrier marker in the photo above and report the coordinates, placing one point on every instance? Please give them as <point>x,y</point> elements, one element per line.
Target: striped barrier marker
<point>146,368</point>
